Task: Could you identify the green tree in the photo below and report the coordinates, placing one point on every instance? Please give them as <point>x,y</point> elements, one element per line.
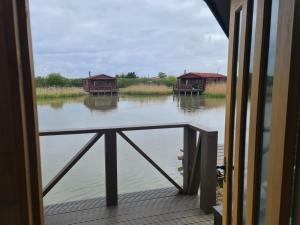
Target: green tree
<point>131,75</point>
<point>56,79</point>
<point>162,75</point>
<point>41,81</point>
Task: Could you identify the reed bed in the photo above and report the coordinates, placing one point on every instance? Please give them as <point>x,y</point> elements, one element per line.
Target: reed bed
<point>59,92</point>
<point>216,90</point>
<point>144,89</point>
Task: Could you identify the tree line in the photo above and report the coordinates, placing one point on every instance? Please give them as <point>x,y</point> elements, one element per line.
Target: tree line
<point>124,80</point>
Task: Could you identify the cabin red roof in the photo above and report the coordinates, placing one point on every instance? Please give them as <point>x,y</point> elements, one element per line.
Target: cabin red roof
<point>100,77</point>
<point>202,75</point>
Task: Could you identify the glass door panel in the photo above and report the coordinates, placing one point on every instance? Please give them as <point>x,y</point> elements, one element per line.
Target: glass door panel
<point>247,101</point>
<point>233,76</point>
<point>267,109</point>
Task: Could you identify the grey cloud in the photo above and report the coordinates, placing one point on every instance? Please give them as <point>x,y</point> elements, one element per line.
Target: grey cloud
<point>114,36</point>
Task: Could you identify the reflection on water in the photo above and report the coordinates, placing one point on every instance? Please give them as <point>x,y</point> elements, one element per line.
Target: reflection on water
<point>145,99</point>
<point>197,103</point>
<point>87,178</point>
<point>102,103</point>
<point>58,103</point>
<point>108,102</point>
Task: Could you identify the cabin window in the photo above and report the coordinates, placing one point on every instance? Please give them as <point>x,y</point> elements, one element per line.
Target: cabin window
<point>267,109</point>
<point>102,83</point>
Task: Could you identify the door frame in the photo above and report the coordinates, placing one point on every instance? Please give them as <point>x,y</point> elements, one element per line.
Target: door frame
<point>21,195</point>
<point>283,139</point>
<point>285,98</point>
<point>234,109</point>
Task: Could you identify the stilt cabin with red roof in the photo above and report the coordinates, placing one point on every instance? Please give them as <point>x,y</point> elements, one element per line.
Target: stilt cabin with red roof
<point>100,84</point>
<point>195,83</point>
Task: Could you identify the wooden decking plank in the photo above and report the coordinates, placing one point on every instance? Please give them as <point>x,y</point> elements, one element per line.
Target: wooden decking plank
<point>175,218</point>
<point>144,208</point>
<point>178,217</point>
<point>161,206</point>
<point>100,202</point>
<point>166,220</point>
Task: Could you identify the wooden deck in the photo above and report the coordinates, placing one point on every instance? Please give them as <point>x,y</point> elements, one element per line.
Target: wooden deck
<point>161,206</point>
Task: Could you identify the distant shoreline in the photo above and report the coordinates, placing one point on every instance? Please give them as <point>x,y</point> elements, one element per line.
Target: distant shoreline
<point>134,90</point>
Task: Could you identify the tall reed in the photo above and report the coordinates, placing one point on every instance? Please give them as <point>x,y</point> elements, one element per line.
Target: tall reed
<point>59,92</point>
<point>144,89</point>
<point>216,90</point>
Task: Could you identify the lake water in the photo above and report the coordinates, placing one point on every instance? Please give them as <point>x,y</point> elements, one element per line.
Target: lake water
<point>87,178</point>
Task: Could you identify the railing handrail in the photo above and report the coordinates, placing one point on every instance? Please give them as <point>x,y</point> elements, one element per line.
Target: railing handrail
<point>199,161</point>
<point>108,86</point>
<point>151,126</point>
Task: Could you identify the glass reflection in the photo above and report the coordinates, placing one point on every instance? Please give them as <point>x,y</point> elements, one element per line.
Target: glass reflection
<point>247,103</point>
<point>237,47</point>
<point>267,111</point>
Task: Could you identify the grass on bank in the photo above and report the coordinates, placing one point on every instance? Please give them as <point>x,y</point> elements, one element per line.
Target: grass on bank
<point>143,89</point>
<point>215,90</point>
<point>59,92</point>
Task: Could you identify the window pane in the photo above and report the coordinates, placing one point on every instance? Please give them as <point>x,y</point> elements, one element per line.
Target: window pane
<point>247,100</point>
<point>267,101</point>
<point>237,39</point>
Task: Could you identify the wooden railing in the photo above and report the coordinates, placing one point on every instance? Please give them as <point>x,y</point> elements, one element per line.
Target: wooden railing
<point>188,86</point>
<point>103,87</point>
<point>199,159</point>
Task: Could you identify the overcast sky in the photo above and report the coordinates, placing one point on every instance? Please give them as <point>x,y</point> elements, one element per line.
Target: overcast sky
<point>73,37</point>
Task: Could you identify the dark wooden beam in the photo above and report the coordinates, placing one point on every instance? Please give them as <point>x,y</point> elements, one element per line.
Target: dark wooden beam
<point>221,11</point>
<point>111,172</point>
<point>151,126</point>
<point>116,128</point>
<point>139,150</point>
<point>189,152</point>
<point>71,163</point>
<point>208,183</point>
<point>20,172</point>
<point>296,210</point>
<point>196,170</point>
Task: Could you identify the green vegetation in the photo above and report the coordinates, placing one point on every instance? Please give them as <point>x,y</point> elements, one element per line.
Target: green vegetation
<point>130,75</point>
<point>60,92</point>
<point>143,89</point>
<point>213,95</point>
<point>58,103</point>
<point>55,85</point>
<point>57,80</point>
<point>162,75</point>
<point>126,82</point>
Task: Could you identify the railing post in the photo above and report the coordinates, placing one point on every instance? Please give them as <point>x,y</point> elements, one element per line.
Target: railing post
<point>189,150</point>
<point>111,175</point>
<point>208,180</point>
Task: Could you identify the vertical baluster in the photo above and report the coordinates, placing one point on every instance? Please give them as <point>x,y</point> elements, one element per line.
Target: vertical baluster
<point>196,169</point>
<point>111,175</point>
<point>208,180</point>
<point>189,149</point>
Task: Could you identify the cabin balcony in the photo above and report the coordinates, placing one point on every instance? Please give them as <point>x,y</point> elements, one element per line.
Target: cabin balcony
<point>189,203</point>
<point>188,89</point>
<point>103,89</point>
